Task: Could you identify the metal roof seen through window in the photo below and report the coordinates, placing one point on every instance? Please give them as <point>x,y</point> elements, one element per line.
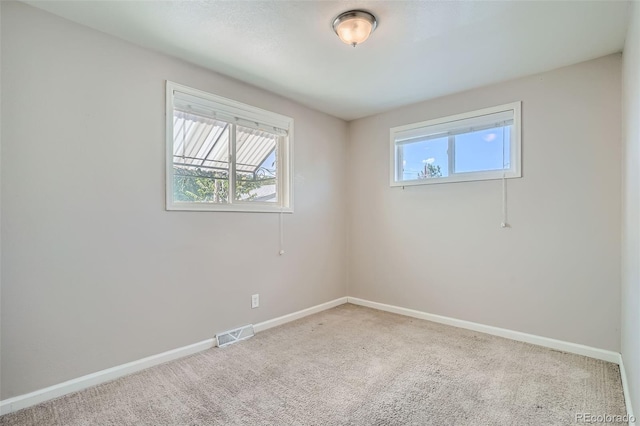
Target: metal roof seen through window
<point>203,142</point>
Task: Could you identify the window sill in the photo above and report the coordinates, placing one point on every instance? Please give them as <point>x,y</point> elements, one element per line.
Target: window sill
<point>467,177</point>
<point>205,207</point>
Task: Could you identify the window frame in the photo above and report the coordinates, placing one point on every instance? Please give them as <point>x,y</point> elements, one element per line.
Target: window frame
<point>515,170</point>
<point>230,108</point>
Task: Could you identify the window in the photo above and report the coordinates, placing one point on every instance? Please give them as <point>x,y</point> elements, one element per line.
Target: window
<point>225,155</point>
<point>478,145</point>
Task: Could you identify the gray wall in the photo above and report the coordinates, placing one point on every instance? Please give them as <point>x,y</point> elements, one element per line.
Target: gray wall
<point>95,272</point>
<point>631,209</point>
<point>440,248</point>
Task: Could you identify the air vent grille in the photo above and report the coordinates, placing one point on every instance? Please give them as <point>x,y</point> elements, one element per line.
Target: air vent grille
<point>233,336</point>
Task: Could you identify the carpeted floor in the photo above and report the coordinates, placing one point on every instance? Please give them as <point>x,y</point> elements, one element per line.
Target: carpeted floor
<point>351,366</point>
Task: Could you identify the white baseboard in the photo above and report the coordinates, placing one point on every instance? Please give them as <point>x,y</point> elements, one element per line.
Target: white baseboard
<point>27,400</point>
<point>265,325</point>
<point>560,345</point>
<point>625,389</point>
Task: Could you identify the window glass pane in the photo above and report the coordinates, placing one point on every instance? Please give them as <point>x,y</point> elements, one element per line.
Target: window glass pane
<point>225,156</point>
<point>483,150</point>
<point>256,165</point>
<point>200,159</point>
<point>424,159</point>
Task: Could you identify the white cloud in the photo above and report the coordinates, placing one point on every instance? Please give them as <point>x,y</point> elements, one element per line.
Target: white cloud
<point>489,137</point>
<point>429,161</point>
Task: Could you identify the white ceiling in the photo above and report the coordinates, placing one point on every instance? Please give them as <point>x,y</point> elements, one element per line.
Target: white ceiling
<point>421,49</point>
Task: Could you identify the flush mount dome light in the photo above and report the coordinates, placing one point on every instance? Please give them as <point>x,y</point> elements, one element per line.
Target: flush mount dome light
<point>355,26</point>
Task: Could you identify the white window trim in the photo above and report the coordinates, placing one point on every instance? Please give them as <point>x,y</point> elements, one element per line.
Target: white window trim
<point>246,112</point>
<point>516,149</point>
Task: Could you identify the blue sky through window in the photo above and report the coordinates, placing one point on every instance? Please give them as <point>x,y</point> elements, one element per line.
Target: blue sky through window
<point>483,150</point>
<point>474,151</point>
<point>269,163</point>
<point>418,155</point>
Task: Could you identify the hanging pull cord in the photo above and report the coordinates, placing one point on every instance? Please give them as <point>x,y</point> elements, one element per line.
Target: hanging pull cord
<point>281,252</point>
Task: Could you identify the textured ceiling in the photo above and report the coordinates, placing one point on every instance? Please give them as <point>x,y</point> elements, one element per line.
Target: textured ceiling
<point>421,49</point>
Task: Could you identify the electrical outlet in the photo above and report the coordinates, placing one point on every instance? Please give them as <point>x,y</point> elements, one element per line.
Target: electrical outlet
<point>255,301</point>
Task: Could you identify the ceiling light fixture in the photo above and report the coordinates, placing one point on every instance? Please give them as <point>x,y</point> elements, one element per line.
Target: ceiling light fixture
<point>355,26</point>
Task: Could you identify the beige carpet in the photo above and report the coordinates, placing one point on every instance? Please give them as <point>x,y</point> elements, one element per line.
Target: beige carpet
<point>351,366</point>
